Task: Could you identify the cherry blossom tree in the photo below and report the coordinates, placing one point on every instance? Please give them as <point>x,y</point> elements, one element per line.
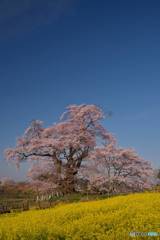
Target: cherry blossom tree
<point>57,152</point>
<point>79,147</point>
<point>116,170</point>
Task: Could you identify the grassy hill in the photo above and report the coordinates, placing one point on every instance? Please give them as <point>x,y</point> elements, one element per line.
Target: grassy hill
<point>112,219</point>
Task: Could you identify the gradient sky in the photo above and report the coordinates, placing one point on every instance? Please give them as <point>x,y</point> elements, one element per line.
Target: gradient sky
<point>57,52</point>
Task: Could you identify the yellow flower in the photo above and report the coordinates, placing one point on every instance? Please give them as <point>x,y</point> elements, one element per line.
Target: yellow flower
<point>112,219</point>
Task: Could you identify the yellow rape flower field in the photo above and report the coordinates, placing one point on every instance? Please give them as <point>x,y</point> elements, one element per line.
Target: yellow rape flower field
<point>113,219</point>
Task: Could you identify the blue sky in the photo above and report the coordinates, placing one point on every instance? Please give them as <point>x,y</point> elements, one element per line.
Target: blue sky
<point>56,53</point>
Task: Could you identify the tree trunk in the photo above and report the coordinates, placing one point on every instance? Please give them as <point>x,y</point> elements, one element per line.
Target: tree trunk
<point>58,180</point>
<point>69,180</point>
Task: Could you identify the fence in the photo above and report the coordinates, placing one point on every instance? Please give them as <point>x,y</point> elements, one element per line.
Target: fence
<point>7,206</point>
<point>18,205</point>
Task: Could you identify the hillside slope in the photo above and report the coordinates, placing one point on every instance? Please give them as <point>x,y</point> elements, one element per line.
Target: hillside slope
<point>112,219</point>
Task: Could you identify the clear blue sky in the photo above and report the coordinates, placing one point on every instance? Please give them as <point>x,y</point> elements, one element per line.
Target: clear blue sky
<point>59,52</point>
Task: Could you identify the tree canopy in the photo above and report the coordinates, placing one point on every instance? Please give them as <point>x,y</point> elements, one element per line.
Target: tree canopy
<point>78,145</point>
